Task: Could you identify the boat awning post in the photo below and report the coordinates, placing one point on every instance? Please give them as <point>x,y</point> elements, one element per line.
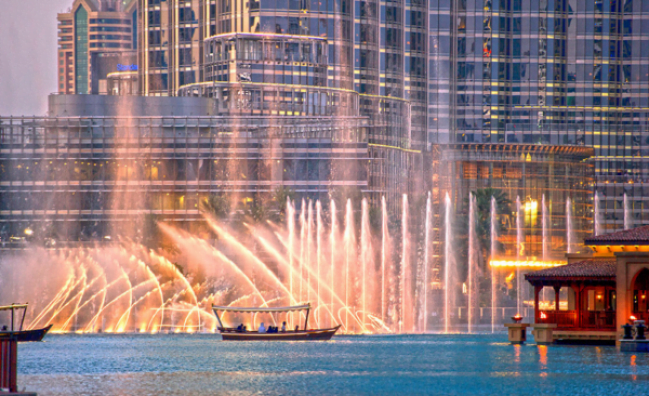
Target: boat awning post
<point>22,322</point>
<point>306,320</point>
<point>12,318</point>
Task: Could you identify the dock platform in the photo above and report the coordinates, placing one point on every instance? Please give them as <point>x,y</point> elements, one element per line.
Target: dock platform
<point>584,337</point>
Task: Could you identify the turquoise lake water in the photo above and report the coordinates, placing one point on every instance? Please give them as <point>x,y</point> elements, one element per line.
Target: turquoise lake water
<point>481,364</point>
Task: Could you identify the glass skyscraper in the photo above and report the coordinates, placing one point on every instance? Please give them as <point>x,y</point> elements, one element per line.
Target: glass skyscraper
<point>553,72</point>
<point>559,72</point>
<point>91,27</point>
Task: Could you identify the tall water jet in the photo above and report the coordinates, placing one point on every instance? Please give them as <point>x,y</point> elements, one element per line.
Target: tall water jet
<point>519,253</point>
<point>627,213</point>
<point>596,215</point>
<point>405,278</point>
<point>301,288</point>
<point>349,240</point>
<point>309,249</point>
<point>333,247</point>
<point>423,304</point>
<point>544,228</point>
<point>290,219</point>
<point>367,264</point>
<point>320,232</point>
<point>492,256</point>
<point>384,247</point>
<point>545,234</point>
<point>569,232</point>
<point>448,251</point>
<point>473,257</point>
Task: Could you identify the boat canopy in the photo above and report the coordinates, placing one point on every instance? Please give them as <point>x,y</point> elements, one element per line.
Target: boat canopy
<point>12,306</point>
<point>262,310</point>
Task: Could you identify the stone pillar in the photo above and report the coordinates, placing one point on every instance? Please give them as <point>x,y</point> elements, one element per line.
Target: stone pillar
<point>517,332</point>
<point>542,333</point>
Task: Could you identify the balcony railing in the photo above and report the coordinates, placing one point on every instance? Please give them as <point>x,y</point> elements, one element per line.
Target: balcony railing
<point>573,320</point>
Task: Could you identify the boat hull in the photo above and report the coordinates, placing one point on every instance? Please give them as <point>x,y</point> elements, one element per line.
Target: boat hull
<point>26,335</point>
<point>308,335</point>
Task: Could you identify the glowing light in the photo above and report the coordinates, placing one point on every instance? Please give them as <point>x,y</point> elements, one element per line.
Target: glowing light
<point>543,315</point>
<point>524,263</point>
<point>633,318</point>
<point>29,231</point>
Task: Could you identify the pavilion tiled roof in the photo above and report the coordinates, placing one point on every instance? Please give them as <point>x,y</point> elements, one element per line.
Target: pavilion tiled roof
<point>584,270</point>
<point>634,236</point>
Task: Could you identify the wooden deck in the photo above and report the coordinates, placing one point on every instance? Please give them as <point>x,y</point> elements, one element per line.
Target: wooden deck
<point>584,337</point>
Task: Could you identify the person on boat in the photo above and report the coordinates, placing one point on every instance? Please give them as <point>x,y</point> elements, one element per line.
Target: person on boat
<point>262,328</point>
<point>4,328</point>
<point>283,327</point>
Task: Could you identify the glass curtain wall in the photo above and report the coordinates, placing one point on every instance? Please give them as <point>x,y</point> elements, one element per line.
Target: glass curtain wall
<point>81,50</point>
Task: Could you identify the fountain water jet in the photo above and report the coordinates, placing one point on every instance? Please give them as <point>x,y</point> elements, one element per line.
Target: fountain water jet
<point>332,271</point>
<point>473,257</point>
<point>350,243</point>
<point>627,213</point>
<point>303,254</point>
<point>426,270</point>
<point>290,219</point>
<point>569,232</point>
<point>494,282</point>
<point>520,248</point>
<point>405,279</point>
<point>447,264</point>
<point>227,237</point>
<point>384,246</point>
<point>367,262</point>
<point>309,248</point>
<point>545,234</point>
<point>319,231</point>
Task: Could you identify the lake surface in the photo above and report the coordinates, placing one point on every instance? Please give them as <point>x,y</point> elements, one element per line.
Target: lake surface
<point>482,364</point>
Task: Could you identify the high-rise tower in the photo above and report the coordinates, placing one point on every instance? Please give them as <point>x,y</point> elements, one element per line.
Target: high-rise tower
<point>92,26</point>
<point>552,72</point>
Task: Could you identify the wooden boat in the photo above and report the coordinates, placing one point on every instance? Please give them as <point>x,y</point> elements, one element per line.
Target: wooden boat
<point>21,335</point>
<point>237,334</point>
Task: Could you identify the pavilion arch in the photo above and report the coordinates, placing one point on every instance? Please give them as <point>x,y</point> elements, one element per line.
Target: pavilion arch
<point>640,280</point>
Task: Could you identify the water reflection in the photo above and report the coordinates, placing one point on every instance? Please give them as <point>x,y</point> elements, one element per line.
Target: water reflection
<point>352,365</point>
